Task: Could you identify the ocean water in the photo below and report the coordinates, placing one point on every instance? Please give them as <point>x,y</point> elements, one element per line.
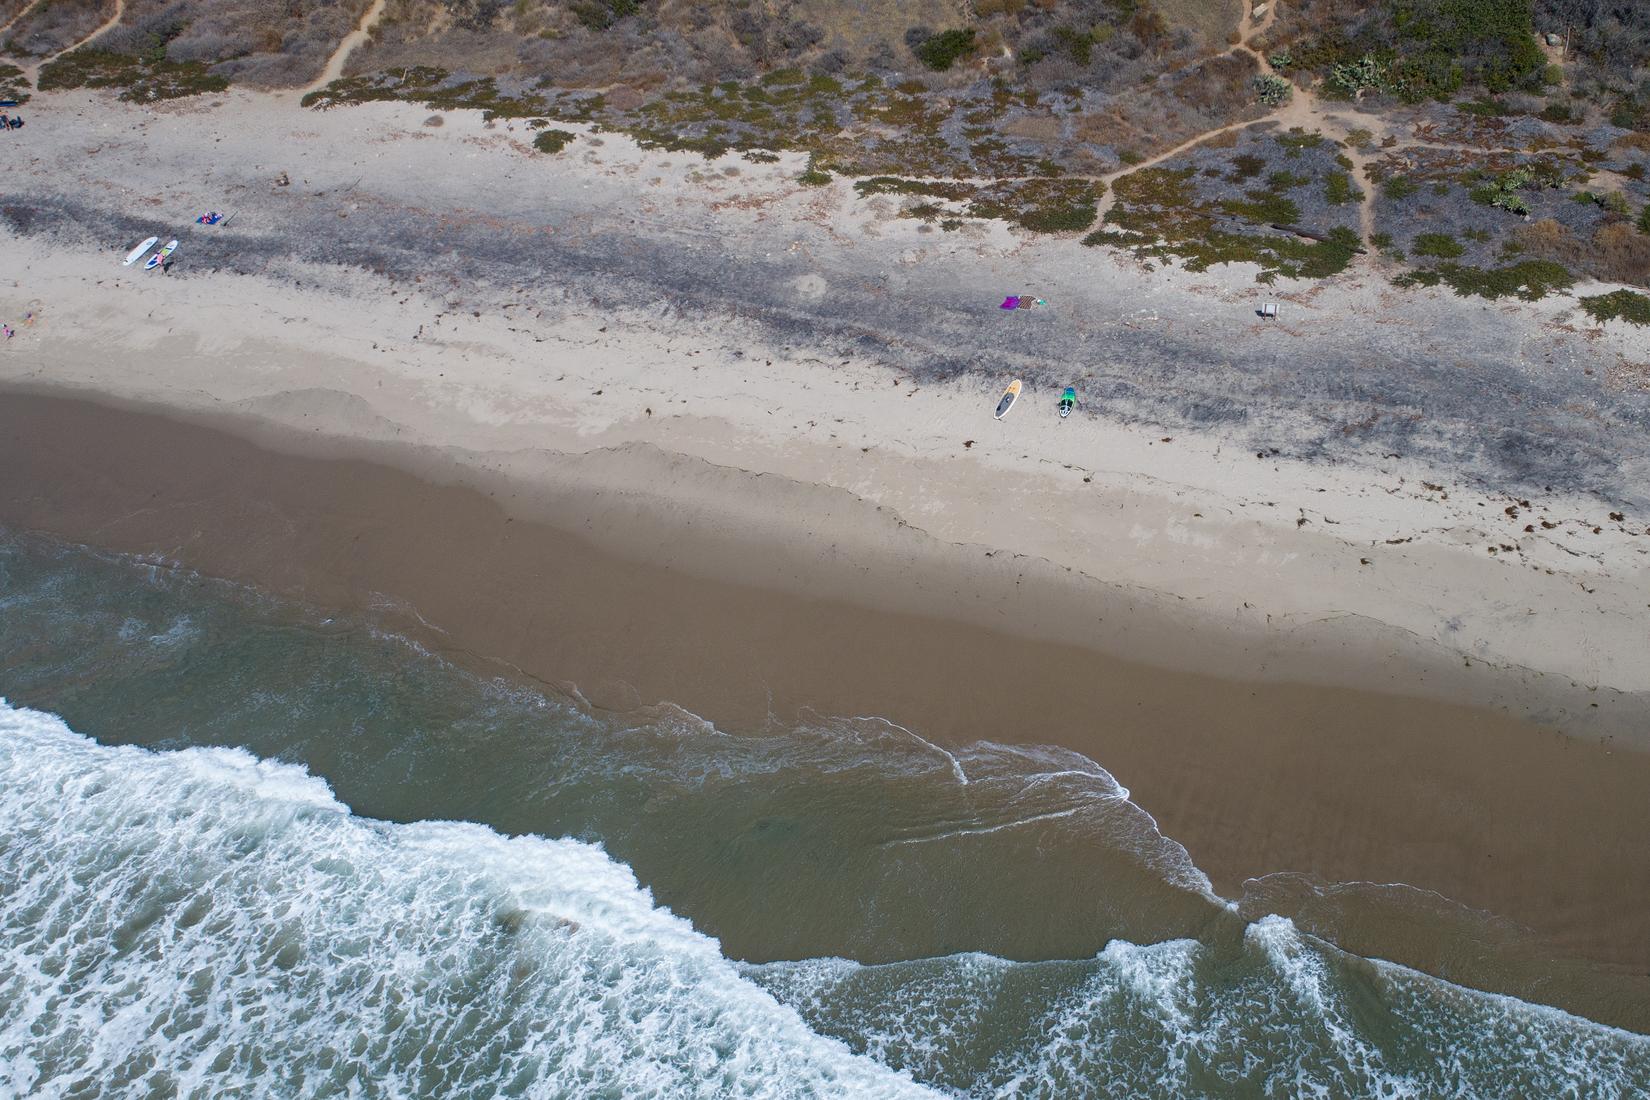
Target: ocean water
<point>249,850</point>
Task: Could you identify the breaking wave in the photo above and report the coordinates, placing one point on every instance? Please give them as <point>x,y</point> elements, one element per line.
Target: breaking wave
<point>200,922</point>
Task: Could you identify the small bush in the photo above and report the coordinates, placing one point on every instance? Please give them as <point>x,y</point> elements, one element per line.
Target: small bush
<point>1441,245</point>
<point>599,15</point>
<point>1399,187</point>
<point>1644,219</point>
<point>1364,74</point>
<point>1624,305</point>
<point>1502,193</point>
<point>1273,91</point>
<point>1529,280</point>
<point>1264,208</point>
<point>553,141</point>
<point>1298,139</point>
<point>14,84</point>
<point>1338,189</point>
<point>142,80</point>
<point>1555,112</point>
<point>940,51</point>
<point>815,176</point>
<point>1060,219</point>
<point>1246,166</point>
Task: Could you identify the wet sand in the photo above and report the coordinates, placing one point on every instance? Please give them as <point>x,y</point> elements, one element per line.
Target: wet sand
<point>1253,777</point>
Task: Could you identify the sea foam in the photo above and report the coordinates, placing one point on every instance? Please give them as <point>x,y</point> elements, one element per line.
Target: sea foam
<point>205,923</point>
<point>1276,1013</point>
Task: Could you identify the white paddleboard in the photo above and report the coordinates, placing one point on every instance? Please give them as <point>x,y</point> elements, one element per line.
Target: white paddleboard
<point>136,254</point>
<point>160,257</point>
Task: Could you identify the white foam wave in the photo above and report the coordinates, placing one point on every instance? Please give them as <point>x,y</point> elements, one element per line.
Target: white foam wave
<point>202,923</point>
<point>1275,1013</point>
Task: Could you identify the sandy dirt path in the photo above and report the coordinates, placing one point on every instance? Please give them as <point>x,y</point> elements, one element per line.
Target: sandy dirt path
<point>102,29</point>
<point>335,64</point>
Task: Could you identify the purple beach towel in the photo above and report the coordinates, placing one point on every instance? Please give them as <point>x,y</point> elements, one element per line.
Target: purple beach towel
<point>1011,302</point>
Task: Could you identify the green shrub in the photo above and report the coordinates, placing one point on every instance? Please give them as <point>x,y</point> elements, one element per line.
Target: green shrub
<point>1399,187</point>
<point>1441,245</point>
<point>1382,241</point>
<point>14,84</point>
<point>1072,218</point>
<point>1624,305</point>
<point>1644,219</point>
<point>1365,74</point>
<point>599,15</point>
<point>1298,139</point>
<point>553,141</point>
<point>1246,166</point>
<point>1628,115</point>
<point>1528,279</point>
<point>1273,91</point>
<point>1264,208</point>
<point>1502,193</point>
<point>940,51</point>
<point>144,80</point>
<point>1338,189</point>
<point>1078,44</point>
<point>894,185</point>
<point>1447,43</point>
<point>1555,112</point>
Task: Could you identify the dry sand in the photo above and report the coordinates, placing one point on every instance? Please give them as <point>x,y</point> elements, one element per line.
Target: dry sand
<point>629,423</point>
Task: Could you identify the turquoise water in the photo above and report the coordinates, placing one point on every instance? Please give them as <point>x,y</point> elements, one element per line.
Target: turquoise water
<point>251,850</point>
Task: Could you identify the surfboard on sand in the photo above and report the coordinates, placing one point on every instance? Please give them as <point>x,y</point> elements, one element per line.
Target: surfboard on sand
<point>160,257</point>
<point>1007,402</point>
<point>136,254</point>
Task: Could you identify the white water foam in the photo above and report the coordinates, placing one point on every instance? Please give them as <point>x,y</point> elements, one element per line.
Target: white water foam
<point>1278,1014</point>
<point>204,923</point>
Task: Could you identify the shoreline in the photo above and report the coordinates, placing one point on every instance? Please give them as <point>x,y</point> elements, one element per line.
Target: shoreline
<point>1253,778</point>
<point>750,470</point>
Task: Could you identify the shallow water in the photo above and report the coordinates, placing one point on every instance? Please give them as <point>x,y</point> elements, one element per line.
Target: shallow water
<point>262,845</point>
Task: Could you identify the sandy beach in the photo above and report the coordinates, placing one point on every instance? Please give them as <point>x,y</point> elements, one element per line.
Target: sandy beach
<point>1358,595</point>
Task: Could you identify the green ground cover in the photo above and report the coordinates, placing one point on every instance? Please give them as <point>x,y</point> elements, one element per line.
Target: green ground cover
<point>1625,305</point>
<point>141,79</point>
